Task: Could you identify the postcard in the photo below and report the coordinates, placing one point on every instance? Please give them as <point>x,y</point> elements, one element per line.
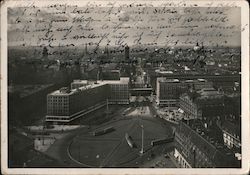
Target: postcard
<point>124,87</point>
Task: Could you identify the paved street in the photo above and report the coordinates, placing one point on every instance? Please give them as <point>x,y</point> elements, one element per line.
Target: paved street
<point>81,149</point>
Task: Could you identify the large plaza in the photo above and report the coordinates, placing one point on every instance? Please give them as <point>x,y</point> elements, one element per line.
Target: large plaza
<point>84,149</point>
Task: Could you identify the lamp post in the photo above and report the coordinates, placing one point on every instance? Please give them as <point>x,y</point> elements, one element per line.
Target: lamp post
<point>142,134</point>
<point>194,153</point>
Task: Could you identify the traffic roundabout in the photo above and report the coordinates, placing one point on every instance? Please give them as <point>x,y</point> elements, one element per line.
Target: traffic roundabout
<point>109,146</point>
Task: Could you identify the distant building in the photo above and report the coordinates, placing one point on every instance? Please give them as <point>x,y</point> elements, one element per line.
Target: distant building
<point>111,74</point>
<point>66,105</point>
<point>202,104</point>
<point>168,91</point>
<point>126,51</point>
<point>196,147</point>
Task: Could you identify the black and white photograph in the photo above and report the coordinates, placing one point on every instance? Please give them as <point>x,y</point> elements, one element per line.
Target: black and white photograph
<point>133,86</point>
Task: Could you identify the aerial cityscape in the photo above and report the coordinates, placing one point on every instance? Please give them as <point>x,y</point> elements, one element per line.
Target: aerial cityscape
<point>124,103</point>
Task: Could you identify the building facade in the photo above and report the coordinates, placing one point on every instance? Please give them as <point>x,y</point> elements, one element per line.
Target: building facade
<point>202,104</point>
<point>196,148</point>
<point>119,91</point>
<point>168,91</point>
<point>66,105</point>
<point>231,128</point>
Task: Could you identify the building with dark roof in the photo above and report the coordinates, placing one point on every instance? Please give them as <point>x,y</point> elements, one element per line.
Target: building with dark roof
<point>196,147</point>
<point>231,128</point>
<point>202,104</point>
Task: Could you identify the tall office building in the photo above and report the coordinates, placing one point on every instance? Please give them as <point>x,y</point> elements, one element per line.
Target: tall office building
<point>66,105</point>
<point>168,91</point>
<point>119,91</point>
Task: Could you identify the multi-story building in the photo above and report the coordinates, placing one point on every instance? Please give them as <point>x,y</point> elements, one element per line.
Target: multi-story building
<point>202,104</point>
<point>66,105</point>
<point>231,135</point>
<point>231,128</point>
<point>196,147</point>
<point>168,91</point>
<point>119,91</point>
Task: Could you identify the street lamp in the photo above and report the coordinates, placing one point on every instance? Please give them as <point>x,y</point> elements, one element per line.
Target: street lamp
<point>194,154</point>
<point>142,139</point>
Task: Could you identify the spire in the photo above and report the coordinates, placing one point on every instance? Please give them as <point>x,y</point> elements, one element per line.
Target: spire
<point>107,50</point>
<point>86,49</point>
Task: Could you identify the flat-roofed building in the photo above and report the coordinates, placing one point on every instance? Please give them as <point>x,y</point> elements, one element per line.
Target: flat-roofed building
<point>66,105</point>
<point>168,91</point>
<point>119,90</point>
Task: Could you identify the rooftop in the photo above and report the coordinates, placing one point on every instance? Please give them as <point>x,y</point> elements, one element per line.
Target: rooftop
<point>205,139</point>
<point>164,79</point>
<point>90,85</point>
<point>209,93</point>
<point>80,81</point>
<point>205,94</point>
<point>170,80</point>
<point>123,80</point>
